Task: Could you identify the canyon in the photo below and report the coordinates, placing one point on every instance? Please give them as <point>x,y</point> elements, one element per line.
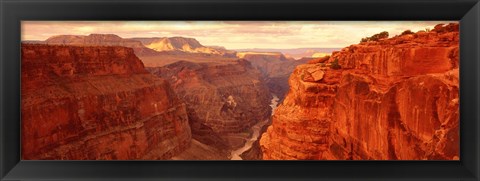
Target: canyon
<point>392,99</point>
<point>97,103</point>
<point>224,99</point>
<point>275,67</point>
<point>104,97</point>
<point>104,71</point>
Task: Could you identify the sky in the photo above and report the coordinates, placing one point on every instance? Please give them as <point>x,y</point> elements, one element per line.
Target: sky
<point>233,34</point>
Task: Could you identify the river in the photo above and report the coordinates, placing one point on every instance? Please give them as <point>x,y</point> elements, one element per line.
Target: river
<point>256,133</point>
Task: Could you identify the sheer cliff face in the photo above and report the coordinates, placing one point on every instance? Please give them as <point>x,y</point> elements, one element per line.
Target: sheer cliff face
<point>97,103</point>
<point>228,97</point>
<point>396,99</point>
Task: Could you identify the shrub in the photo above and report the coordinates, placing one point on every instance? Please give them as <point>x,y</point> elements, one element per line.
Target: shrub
<point>335,65</point>
<point>406,32</point>
<point>376,37</point>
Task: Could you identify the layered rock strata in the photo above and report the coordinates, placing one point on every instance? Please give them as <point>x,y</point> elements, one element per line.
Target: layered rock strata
<point>228,97</point>
<point>97,103</point>
<point>100,40</point>
<point>392,99</point>
<point>182,44</point>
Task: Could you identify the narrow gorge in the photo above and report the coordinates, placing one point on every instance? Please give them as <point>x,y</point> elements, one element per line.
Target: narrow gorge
<point>257,131</point>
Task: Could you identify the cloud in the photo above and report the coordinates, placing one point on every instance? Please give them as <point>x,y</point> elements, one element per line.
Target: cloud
<point>232,34</point>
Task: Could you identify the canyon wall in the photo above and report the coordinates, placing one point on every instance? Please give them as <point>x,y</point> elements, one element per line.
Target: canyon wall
<point>226,96</point>
<point>97,103</point>
<point>100,40</point>
<point>391,99</point>
<point>275,67</point>
<point>224,100</point>
<point>183,44</point>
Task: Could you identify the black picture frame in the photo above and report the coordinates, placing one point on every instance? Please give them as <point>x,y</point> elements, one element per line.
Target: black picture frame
<point>12,12</point>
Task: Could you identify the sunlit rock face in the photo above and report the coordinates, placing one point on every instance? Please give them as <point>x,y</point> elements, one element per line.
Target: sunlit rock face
<point>183,44</point>
<point>228,97</point>
<point>97,103</point>
<point>392,99</point>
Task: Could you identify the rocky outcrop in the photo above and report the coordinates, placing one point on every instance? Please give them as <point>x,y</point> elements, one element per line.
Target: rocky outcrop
<point>392,99</point>
<point>407,55</point>
<point>182,44</point>
<point>97,103</point>
<point>100,40</point>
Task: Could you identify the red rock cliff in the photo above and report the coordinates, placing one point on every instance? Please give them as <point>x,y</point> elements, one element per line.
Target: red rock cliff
<point>97,103</point>
<point>392,99</point>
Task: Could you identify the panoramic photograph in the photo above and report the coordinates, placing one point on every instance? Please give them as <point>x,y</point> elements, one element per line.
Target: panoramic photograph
<point>240,90</point>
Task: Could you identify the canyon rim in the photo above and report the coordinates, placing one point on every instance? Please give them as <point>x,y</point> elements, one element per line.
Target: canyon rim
<point>240,90</point>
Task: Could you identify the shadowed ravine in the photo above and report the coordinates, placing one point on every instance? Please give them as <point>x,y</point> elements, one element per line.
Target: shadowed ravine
<point>256,133</point>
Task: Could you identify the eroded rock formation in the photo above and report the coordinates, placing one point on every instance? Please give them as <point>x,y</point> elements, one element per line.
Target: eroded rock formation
<point>97,103</point>
<point>183,44</point>
<point>392,99</point>
<point>100,40</point>
<point>226,96</point>
<point>224,99</point>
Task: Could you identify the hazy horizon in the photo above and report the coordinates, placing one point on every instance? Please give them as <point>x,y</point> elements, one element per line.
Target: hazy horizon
<point>232,34</point>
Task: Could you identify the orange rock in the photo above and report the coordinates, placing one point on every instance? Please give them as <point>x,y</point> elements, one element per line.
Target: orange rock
<point>395,99</point>
<point>97,103</point>
<point>319,60</point>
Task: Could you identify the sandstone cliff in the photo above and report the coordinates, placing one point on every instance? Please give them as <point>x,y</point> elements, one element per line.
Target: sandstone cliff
<point>175,49</point>
<point>97,103</point>
<point>182,44</point>
<point>392,99</point>
<point>100,40</point>
<point>222,97</point>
